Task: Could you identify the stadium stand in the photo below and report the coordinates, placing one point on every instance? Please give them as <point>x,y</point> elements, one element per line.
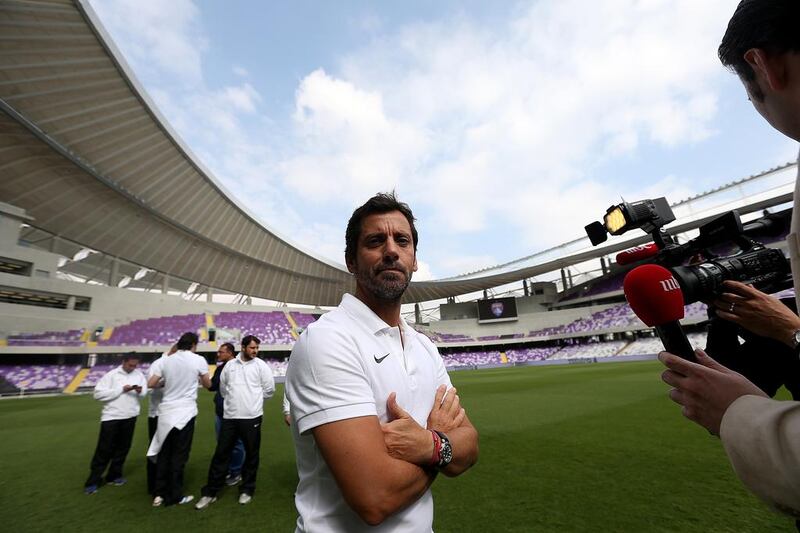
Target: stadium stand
<point>271,327</point>
<point>48,338</point>
<point>154,331</point>
<point>39,377</point>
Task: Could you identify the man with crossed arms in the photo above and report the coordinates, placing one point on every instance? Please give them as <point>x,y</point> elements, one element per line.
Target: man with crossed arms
<point>371,423</point>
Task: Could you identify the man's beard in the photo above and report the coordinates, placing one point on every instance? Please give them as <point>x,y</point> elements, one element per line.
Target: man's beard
<point>388,288</point>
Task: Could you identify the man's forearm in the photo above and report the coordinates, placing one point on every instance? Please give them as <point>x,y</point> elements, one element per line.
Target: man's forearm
<point>464,442</point>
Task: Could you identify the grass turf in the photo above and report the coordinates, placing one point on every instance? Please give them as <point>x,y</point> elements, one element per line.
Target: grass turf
<point>570,448</point>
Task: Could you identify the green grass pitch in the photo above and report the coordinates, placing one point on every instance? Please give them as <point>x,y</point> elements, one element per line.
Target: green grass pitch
<point>596,447</point>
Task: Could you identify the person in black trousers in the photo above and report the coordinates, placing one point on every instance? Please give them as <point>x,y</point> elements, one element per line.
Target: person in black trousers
<point>120,390</point>
<point>245,383</point>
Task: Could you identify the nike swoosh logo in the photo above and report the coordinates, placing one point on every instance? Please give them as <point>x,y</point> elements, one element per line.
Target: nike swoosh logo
<point>380,360</point>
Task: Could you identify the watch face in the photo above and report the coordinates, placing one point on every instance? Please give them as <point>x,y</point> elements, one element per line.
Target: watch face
<point>796,338</point>
<point>447,453</point>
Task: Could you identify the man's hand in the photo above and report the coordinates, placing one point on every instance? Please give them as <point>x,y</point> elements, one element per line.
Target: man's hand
<point>705,389</point>
<point>287,419</point>
<point>128,388</point>
<point>447,413</point>
<point>404,438</point>
<point>757,312</point>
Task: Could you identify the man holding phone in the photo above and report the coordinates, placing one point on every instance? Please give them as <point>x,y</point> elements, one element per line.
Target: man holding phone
<point>120,391</point>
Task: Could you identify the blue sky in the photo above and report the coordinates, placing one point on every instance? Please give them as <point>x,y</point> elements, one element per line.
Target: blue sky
<point>507,126</point>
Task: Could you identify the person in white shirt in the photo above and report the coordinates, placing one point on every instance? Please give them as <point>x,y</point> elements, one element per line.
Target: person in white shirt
<point>172,441</point>
<point>245,383</point>
<point>120,390</point>
<point>152,416</point>
<point>364,462</point>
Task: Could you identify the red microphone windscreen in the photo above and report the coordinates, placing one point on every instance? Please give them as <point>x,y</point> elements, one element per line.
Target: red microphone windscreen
<point>654,294</point>
<point>626,257</point>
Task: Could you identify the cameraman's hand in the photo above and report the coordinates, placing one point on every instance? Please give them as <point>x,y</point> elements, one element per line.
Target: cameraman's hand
<point>757,312</point>
<point>705,389</point>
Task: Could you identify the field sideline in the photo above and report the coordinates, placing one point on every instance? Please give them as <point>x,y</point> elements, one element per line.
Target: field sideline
<point>595,447</point>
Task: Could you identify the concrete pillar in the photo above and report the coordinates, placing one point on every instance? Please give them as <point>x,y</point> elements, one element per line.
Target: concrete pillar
<point>70,303</point>
<point>113,272</point>
<point>525,289</point>
<point>209,295</point>
<point>54,244</point>
<point>417,314</point>
<point>603,265</point>
<point>569,276</point>
<point>165,284</point>
<point>564,280</point>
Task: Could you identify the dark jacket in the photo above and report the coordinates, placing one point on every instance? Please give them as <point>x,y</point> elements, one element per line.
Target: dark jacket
<point>219,401</point>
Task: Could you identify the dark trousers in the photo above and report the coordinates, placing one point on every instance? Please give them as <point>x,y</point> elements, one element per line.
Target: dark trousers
<point>237,455</point>
<point>249,431</point>
<point>112,448</point>
<point>172,459</point>
<point>152,424</point>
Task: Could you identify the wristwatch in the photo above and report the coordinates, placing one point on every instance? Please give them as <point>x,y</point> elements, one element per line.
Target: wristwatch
<point>445,451</point>
<point>795,340</point>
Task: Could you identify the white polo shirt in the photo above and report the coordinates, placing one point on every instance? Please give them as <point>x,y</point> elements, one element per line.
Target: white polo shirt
<point>245,385</point>
<point>119,405</point>
<point>345,365</point>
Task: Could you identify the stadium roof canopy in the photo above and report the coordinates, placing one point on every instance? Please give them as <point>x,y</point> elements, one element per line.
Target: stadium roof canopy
<point>89,157</point>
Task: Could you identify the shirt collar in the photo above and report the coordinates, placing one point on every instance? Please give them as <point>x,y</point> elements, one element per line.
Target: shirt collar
<point>364,315</point>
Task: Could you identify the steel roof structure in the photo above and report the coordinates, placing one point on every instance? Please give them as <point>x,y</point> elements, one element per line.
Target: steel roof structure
<point>89,157</point>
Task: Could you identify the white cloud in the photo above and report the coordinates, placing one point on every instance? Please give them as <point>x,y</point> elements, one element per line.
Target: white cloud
<point>424,272</point>
<point>240,71</point>
<point>158,36</point>
<point>505,125</point>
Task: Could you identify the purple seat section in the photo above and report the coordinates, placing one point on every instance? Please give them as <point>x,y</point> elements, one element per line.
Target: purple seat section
<point>154,331</point>
<point>39,377</point>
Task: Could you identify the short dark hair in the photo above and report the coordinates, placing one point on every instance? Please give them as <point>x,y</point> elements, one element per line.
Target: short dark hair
<point>187,340</point>
<point>772,25</point>
<point>383,202</point>
<point>228,347</point>
<point>248,339</point>
<point>131,355</point>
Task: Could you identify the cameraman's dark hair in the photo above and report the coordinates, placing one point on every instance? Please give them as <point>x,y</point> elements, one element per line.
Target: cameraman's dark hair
<point>187,340</point>
<point>380,203</point>
<point>248,339</point>
<point>772,25</point>
<point>228,347</point>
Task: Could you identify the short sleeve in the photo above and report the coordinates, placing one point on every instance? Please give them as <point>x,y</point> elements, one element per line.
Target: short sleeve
<point>155,368</point>
<point>326,381</point>
<point>202,365</point>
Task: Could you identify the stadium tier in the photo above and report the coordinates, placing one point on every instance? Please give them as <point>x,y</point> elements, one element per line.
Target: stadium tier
<point>48,338</point>
<point>271,327</point>
<point>40,377</point>
<point>154,331</point>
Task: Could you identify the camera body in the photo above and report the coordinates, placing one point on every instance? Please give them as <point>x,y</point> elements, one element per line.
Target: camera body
<point>696,267</point>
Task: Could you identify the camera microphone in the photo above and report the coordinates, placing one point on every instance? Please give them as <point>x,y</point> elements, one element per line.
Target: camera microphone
<point>636,254</point>
<point>656,297</point>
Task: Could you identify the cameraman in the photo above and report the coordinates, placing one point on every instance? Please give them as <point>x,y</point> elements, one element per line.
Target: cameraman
<point>761,436</point>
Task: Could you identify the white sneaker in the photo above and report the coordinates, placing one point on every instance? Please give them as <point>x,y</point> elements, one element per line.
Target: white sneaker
<point>158,501</point>
<point>186,499</point>
<point>204,502</point>
<point>244,498</point>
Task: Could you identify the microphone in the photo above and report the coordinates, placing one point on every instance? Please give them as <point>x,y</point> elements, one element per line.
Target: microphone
<point>656,297</point>
<point>645,251</point>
